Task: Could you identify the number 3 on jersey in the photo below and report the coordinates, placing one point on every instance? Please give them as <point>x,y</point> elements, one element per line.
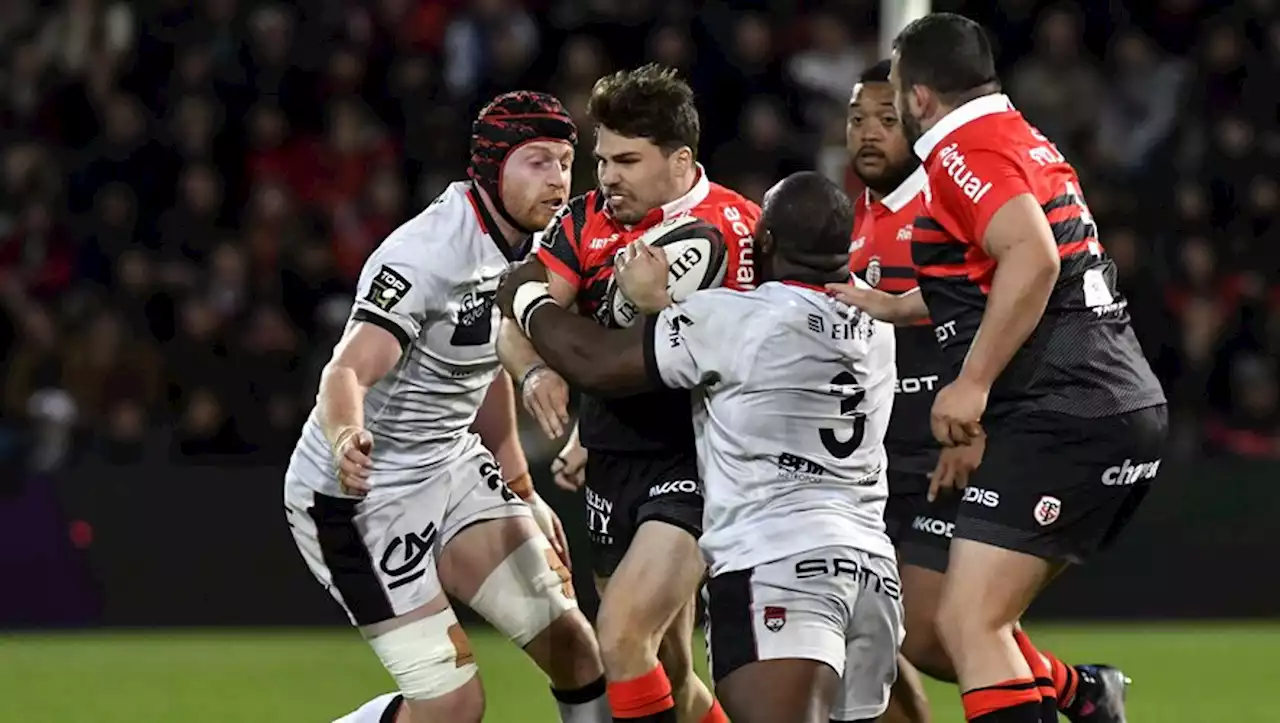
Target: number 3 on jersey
<point>846,385</point>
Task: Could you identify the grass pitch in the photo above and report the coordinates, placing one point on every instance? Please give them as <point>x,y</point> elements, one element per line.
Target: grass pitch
<point>1183,673</point>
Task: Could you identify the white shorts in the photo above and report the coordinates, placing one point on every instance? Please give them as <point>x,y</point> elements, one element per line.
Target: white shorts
<point>377,555</point>
<point>836,605</point>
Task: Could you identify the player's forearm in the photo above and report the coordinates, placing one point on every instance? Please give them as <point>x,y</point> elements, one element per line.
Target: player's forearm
<point>910,308</point>
<point>586,354</point>
<point>1020,290</point>
<point>515,351</point>
<point>340,400</point>
<point>498,429</point>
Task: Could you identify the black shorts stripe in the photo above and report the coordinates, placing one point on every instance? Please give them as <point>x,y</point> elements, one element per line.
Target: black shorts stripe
<point>348,560</point>
<point>384,323</point>
<point>393,708</point>
<point>729,610</point>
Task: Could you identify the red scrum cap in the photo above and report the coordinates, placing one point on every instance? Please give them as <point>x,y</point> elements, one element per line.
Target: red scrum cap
<point>506,123</point>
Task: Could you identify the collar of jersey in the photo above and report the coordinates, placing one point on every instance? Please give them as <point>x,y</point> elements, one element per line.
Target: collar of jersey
<point>490,229</point>
<point>679,207</point>
<point>907,190</point>
<point>967,113</point>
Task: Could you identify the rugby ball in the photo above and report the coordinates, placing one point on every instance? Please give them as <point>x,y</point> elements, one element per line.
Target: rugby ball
<point>696,258</point>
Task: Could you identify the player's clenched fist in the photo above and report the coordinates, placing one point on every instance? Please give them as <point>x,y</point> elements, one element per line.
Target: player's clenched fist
<point>351,461</point>
<point>570,466</point>
<point>641,273</point>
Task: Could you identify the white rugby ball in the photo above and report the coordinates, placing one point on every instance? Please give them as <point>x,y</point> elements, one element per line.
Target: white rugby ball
<point>696,259</point>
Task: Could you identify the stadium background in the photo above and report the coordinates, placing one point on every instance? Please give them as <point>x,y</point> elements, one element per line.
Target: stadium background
<point>188,189</point>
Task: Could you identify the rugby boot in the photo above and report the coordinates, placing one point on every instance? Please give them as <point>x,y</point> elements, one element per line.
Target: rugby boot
<point>1099,695</point>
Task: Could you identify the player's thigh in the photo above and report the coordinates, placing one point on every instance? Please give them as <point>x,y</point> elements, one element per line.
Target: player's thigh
<point>1061,488</point>
<point>784,690</point>
<point>496,559</point>
<point>376,555</point>
<point>662,558</point>
<point>874,637</point>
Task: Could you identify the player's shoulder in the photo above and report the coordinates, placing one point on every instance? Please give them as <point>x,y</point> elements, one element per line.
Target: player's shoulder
<point>729,204</point>
<point>436,240</point>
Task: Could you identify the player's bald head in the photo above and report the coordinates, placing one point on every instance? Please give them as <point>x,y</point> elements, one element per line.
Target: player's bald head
<point>807,220</point>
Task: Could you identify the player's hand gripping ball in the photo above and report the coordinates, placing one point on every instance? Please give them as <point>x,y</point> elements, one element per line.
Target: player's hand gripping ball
<point>696,258</point>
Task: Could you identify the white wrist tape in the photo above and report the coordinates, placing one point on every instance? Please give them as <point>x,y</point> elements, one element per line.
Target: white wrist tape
<point>529,297</point>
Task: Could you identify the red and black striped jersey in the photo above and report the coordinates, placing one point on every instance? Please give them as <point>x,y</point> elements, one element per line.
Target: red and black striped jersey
<point>1083,358</point>
<point>580,247</point>
<point>881,256</point>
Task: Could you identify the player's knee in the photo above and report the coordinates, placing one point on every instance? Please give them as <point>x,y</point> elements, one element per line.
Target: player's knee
<point>960,626</point>
<point>567,652</point>
<point>430,658</point>
<point>526,592</point>
<point>621,644</point>
<point>461,706</point>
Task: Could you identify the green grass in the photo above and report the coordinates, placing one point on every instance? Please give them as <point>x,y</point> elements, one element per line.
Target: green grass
<point>1183,673</point>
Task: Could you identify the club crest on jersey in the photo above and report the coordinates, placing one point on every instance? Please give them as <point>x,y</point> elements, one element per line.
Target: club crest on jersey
<point>1048,509</point>
<point>387,289</point>
<point>775,617</point>
<point>873,271</point>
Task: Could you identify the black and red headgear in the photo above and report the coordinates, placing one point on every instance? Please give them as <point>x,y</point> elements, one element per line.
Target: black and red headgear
<point>506,123</point>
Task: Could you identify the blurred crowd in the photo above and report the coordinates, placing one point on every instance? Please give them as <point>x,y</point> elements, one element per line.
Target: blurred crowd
<point>188,188</point>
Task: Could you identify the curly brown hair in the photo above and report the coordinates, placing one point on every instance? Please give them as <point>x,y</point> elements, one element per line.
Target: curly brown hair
<point>650,102</point>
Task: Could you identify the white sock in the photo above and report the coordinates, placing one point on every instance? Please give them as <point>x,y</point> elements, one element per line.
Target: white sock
<point>379,710</point>
<point>587,704</point>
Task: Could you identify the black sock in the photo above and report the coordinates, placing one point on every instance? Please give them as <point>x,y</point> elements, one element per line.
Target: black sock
<point>587,704</point>
<point>666,716</point>
<point>1024,713</point>
<point>1086,689</point>
<point>1048,701</point>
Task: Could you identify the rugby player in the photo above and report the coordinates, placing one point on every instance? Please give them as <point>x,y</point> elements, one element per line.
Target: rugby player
<point>919,523</point>
<point>644,502</point>
<point>392,494</point>
<point>794,397</point>
<point>1049,375</point>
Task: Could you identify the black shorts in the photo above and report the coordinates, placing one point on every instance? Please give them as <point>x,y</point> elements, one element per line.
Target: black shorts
<point>625,491</point>
<point>1062,488</point>
<point>921,530</point>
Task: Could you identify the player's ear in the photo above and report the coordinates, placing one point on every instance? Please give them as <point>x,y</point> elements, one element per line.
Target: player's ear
<point>764,241</point>
<point>683,158</point>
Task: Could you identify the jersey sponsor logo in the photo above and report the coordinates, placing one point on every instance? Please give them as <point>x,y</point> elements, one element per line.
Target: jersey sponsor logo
<point>599,513</point>
<point>979,496</point>
<point>685,486</point>
<point>1048,510</point>
<point>474,324</point>
<point>817,324</point>
<point>403,559</point>
<point>904,233</point>
<point>953,162</point>
<point>1128,473</point>
<point>675,328</point>
<point>944,331</point>
<point>775,616</point>
<point>873,271</point>
<point>932,526</point>
<point>857,244</point>
<point>743,246</point>
<point>387,289</point>
<point>867,578</point>
<point>602,242</point>
<point>793,466</point>
<point>915,385</point>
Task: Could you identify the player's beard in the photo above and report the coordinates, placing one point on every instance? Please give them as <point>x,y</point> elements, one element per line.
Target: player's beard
<point>911,128</point>
<point>893,175</point>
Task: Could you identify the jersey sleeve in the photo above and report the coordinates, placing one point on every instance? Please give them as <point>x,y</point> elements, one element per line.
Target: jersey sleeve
<point>397,292</point>
<point>996,178</point>
<point>558,248</point>
<point>682,347</point>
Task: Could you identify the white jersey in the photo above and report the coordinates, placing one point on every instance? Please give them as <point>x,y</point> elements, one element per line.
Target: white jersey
<point>431,284</point>
<point>794,393</point>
